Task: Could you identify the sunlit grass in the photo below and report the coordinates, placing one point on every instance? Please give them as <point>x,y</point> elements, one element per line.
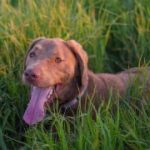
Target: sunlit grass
<point>115,35</point>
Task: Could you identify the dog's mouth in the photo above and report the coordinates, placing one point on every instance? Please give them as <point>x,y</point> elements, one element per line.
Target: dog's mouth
<point>35,110</point>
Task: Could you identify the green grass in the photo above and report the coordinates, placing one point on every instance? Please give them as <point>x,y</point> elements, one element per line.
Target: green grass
<point>115,34</point>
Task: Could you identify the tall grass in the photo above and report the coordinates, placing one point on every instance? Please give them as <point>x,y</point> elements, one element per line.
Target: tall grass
<point>115,35</point>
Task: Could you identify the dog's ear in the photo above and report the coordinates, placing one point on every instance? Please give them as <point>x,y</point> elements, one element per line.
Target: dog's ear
<point>82,60</point>
<point>35,41</point>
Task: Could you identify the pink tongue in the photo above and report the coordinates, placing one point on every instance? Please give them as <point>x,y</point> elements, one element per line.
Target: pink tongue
<point>35,111</point>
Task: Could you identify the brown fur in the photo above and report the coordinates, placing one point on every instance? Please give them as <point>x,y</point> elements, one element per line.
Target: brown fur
<point>73,73</point>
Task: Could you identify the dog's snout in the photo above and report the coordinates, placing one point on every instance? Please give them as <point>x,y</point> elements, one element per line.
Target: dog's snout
<point>31,74</point>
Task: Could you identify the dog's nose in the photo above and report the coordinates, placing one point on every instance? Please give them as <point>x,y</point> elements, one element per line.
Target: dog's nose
<point>31,74</point>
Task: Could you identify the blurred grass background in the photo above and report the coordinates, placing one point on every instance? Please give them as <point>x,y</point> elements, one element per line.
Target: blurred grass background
<point>115,35</point>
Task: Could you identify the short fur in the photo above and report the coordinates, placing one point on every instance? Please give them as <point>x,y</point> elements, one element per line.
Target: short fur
<point>73,73</point>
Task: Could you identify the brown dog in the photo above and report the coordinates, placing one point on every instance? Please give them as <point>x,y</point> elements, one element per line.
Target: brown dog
<point>57,69</point>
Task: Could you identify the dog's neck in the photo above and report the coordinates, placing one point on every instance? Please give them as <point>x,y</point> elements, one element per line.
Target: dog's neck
<point>74,94</point>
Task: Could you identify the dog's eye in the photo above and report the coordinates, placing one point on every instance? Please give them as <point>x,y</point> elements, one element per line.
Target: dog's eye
<point>58,60</point>
<point>32,54</point>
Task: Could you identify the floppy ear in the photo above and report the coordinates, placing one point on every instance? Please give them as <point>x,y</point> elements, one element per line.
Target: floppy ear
<point>35,41</point>
<point>82,59</point>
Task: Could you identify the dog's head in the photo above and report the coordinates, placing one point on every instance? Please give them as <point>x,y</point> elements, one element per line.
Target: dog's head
<point>50,65</point>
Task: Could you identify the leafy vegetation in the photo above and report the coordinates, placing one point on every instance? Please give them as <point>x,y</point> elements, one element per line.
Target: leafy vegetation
<point>115,35</point>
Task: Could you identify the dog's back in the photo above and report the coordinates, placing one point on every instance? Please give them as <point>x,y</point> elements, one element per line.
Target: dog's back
<point>121,81</point>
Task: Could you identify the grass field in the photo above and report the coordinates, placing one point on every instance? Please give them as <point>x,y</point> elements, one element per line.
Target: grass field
<point>115,34</point>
